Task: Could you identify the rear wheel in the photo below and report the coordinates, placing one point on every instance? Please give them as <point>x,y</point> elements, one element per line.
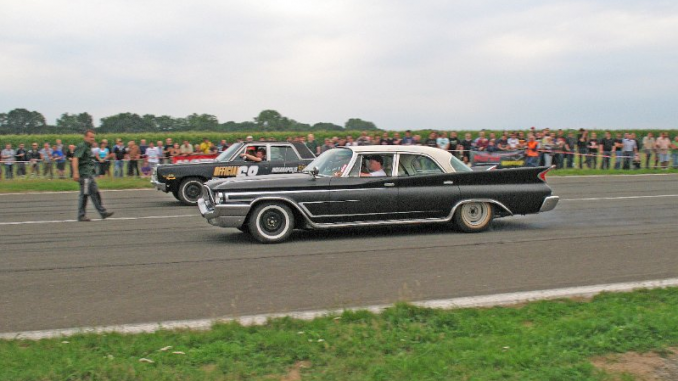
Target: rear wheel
<point>190,190</point>
<point>271,222</point>
<point>473,217</point>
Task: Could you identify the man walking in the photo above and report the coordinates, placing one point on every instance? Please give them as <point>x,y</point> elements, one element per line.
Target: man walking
<point>83,173</point>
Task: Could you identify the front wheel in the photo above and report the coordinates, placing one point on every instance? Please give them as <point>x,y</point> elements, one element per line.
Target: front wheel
<point>473,217</point>
<point>190,191</point>
<point>271,222</point>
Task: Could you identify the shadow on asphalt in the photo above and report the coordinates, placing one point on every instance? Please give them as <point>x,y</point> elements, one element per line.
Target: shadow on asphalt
<point>233,236</point>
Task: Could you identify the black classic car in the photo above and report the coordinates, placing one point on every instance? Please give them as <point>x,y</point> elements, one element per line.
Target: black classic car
<point>239,160</point>
<point>375,185</point>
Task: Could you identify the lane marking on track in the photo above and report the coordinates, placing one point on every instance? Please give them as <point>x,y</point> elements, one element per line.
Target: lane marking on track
<point>609,176</point>
<point>618,198</point>
<point>96,220</point>
<point>76,192</point>
<point>454,303</point>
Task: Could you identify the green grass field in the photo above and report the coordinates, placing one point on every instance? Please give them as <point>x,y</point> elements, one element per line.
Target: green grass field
<point>548,340</point>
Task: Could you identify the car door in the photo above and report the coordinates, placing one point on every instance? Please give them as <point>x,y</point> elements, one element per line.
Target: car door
<point>424,189</point>
<point>356,198</point>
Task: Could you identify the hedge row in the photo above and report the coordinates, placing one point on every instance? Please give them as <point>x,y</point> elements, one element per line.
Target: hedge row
<point>196,137</point>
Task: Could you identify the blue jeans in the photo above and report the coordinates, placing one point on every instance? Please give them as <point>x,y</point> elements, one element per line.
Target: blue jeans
<point>675,160</point>
<point>606,160</point>
<point>117,172</point>
<point>532,161</point>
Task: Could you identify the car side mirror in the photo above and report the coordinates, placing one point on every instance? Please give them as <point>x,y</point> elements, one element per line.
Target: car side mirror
<point>314,171</point>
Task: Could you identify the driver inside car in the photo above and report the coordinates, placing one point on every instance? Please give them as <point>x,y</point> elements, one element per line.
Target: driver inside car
<point>260,155</point>
<point>375,165</point>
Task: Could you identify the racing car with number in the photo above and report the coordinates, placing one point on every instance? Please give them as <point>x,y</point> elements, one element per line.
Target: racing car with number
<point>375,185</point>
<point>243,159</point>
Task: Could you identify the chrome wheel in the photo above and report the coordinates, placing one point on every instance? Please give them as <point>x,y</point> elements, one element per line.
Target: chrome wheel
<point>474,216</point>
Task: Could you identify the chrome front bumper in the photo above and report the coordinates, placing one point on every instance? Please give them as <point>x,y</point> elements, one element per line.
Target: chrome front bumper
<point>226,216</point>
<point>159,186</point>
<point>549,203</point>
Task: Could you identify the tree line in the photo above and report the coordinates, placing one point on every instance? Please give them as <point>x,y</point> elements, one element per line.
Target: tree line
<point>21,121</point>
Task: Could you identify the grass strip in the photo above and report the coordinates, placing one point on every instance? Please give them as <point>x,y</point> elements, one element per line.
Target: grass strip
<point>547,340</point>
<point>58,185</point>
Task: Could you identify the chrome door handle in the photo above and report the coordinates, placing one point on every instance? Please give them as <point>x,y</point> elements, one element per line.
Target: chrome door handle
<point>389,184</point>
<point>448,182</point>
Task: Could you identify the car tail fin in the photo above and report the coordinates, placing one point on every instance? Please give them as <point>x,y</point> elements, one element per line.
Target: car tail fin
<point>542,174</point>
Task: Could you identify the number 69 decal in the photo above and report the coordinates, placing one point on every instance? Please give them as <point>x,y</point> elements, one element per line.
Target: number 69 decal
<point>248,171</point>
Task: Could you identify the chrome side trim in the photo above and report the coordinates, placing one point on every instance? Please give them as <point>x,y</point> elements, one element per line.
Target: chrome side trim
<point>549,204</point>
<point>297,191</point>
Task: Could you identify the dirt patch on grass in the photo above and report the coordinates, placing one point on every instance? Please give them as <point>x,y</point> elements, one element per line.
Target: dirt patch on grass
<point>294,374</point>
<point>649,366</point>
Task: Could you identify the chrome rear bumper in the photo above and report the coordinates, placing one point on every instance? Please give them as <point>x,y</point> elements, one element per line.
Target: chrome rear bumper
<point>549,203</point>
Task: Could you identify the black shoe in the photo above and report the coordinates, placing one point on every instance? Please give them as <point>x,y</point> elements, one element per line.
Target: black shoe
<point>83,219</point>
<point>105,215</point>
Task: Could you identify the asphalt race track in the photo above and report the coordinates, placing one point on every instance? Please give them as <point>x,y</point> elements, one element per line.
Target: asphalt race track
<point>157,261</point>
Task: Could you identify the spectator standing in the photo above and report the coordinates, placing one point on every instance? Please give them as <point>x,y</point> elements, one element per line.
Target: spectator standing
<point>547,149</point>
<point>83,173</point>
<point>20,158</point>
<point>69,159</point>
<point>186,148</point>
<point>674,147</point>
<point>8,158</point>
<point>205,146</point>
<point>153,155</point>
<point>606,145</point>
<point>223,145</point>
<point>104,159</point>
<point>166,150</point>
<point>513,141</point>
<point>442,141</point>
<point>629,150</point>
<point>454,140</point>
<point>649,148</point>
<point>559,151</point>
<point>582,146</point>
<point>481,142</point>
<point>350,142</point>
<point>46,157</point>
<point>618,145</point>
<point>532,151</point>
<point>327,146</point>
<point>467,144</point>
<point>142,147</point>
<point>407,139</point>
<point>175,151</point>
<point>119,153</point>
<point>592,146</point>
<point>134,155</point>
<point>385,140</point>
<point>60,160</point>
<point>397,139</point>
<point>33,157</point>
<point>663,144</point>
<point>312,144</point>
<point>432,140</point>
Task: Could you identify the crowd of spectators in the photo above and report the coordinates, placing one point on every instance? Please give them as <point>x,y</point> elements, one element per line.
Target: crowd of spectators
<point>564,149</point>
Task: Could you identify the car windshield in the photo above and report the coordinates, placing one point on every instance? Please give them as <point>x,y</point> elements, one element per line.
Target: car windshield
<point>224,156</point>
<point>459,165</point>
<point>331,162</point>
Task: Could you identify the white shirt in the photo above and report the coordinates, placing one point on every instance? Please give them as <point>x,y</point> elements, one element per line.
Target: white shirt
<point>378,173</point>
<point>153,154</point>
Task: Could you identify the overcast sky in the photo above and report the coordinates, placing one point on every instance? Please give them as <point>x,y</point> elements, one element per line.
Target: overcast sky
<point>400,64</point>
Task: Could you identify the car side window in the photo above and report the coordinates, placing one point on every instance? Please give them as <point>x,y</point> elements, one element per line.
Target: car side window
<point>417,165</point>
<point>283,154</point>
<point>362,166</point>
<point>251,150</point>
